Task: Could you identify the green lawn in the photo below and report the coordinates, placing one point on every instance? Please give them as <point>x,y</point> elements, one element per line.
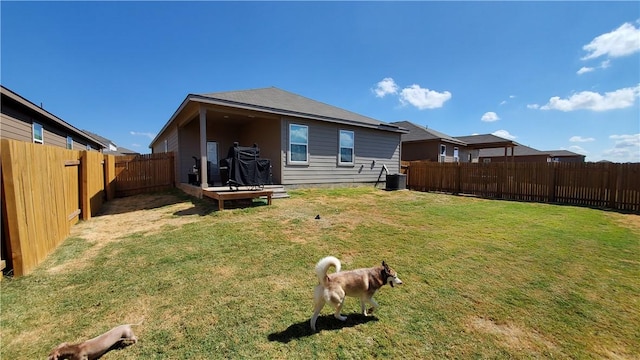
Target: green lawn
<point>482,279</point>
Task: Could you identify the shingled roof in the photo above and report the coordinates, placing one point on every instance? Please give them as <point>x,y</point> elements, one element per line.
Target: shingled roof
<point>421,133</point>
<point>484,141</point>
<point>278,101</point>
<point>518,150</point>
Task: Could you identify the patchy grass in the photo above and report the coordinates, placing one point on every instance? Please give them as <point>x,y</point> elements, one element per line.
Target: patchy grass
<point>483,279</point>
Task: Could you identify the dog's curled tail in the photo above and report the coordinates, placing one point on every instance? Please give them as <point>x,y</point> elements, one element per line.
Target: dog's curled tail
<point>323,266</point>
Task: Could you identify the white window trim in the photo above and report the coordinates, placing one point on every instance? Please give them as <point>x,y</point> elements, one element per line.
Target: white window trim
<point>456,154</point>
<point>33,133</point>
<point>353,149</point>
<point>289,160</point>
<point>166,145</point>
<point>443,154</point>
<point>69,143</point>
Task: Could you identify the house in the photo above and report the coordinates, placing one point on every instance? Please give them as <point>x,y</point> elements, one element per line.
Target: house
<point>422,143</point>
<point>307,141</point>
<point>23,120</point>
<point>520,153</point>
<point>565,156</point>
<point>111,147</point>
<point>524,153</point>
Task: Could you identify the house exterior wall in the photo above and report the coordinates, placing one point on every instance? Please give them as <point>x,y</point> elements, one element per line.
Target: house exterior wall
<point>424,150</point>
<point>265,133</point>
<point>17,121</point>
<point>430,151</point>
<point>372,149</point>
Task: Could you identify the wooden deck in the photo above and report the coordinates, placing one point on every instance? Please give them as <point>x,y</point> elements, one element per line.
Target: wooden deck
<point>226,194</point>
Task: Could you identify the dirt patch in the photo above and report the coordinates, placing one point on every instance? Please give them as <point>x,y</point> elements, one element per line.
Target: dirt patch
<point>510,335</point>
<point>119,218</point>
<point>629,221</point>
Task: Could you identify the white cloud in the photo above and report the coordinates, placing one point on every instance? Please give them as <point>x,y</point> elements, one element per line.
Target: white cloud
<point>622,41</point>
<point>533,106</point>
<point>626,148</point>
<point>512,96</point>
<point>503,102</point>
<point>149,135</point>
<point>584,70</point>
<point>504,134</point>
<point>581,139</point>
<point>136,145</point>
<point>385,87</point>
<point>588,100</point>
<point>605,64</point>
<point>490,117</point>
<point>423,98</point>
<point>578,149</point>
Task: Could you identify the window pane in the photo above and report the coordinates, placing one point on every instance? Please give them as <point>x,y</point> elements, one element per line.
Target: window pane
<point>298,152</point>
<point>37,132</point>
<point>346,155</point>
<point>346,139</point>
<point>298,134</point>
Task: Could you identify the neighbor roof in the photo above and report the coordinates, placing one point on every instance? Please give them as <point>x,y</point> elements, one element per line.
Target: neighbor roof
<point>120,150</point>
<point>485,141</point>
<point>518,150</point>
<point>421,133</point>
<point>562,153</point>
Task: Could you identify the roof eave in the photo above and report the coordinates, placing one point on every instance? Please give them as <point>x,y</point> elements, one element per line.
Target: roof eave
<point>23,101</point>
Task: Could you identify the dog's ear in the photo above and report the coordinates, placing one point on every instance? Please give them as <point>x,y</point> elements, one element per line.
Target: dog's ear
<point>384,264</point>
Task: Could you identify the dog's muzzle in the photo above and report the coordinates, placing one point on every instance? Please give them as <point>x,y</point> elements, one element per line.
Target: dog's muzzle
<point>394,280</point>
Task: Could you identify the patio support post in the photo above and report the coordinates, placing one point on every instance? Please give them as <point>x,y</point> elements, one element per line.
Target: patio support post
<point>204,182</point>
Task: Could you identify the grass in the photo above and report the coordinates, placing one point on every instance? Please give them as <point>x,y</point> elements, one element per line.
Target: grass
<point>483,279</point>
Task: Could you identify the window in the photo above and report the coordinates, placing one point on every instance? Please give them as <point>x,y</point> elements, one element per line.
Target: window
<point>298,144</point>
<point>455,155</point>
<point>346,147</point>
<point>88,147</point>
<point>443,153</point>
<point>69,143</point>
<point>166,145</point>
<point>486,160</point>
<point>37,133</point>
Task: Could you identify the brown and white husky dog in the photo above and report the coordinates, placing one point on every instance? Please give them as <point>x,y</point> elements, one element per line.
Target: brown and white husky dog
<point>361,283</point>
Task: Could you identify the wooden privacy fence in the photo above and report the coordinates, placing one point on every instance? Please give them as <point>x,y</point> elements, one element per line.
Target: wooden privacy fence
<point>605,185</point>
<point>144,173</point>
<point>47,189</point>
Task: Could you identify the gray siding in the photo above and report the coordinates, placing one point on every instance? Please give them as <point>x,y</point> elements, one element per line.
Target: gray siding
<point>372,148</point>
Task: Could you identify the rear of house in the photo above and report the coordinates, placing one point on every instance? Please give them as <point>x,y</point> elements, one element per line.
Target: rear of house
<point>308,142</point>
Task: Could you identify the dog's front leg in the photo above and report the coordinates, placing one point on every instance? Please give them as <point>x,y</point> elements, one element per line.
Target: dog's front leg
<point>374,305</point>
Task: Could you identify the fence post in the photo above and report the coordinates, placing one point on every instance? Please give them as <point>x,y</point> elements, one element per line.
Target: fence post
<point>85,201</point>
<point>109,176</point>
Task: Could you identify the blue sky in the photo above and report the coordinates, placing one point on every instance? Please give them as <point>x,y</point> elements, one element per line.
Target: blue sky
<point>550,75</point>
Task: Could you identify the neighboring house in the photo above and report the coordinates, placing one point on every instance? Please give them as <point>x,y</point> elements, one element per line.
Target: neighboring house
<point>565,156</point>
<point>477,143</point>
<point>422,143</point>
<point>527,154</point>
<point>23,120</point>
<point>521,153</point>
<point>308,142</point>
<point>111,147</point>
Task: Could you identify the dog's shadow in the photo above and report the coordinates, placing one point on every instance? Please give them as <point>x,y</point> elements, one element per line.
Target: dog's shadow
<point>326,322</point>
